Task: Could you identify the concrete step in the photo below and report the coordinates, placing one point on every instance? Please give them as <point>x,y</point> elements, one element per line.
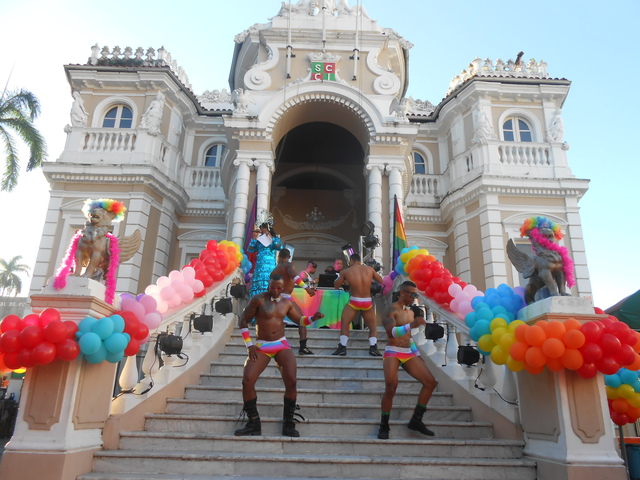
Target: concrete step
<point>273,407</point>
<point>305,395</point>
<point>316,427</point>
<point>328,466</point>
<point>277,445</point>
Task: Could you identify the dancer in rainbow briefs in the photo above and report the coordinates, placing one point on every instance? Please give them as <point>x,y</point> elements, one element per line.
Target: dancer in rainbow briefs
<point>269,309</point>
<point>401,351</point>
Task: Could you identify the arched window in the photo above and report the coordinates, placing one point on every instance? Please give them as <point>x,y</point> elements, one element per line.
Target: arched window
<point>515,129</point>
<point>119,116</point>
<point>213,157</point>
<point>419,164</point>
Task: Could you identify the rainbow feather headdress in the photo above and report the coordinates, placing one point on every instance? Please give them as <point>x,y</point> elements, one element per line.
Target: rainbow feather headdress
<point>107,204</point>
<point>540,222</point>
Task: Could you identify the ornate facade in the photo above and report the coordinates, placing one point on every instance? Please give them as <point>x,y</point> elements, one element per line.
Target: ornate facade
<point>315,118</point>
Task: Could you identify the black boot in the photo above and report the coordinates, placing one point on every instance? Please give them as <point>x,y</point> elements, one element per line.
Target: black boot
<point>253,426</point>
<point>373,350</point>
<point>288,420</point>
<point>341,350</point>
<point>303,350</point>
<point>416,421</point>
<point>383,433</point>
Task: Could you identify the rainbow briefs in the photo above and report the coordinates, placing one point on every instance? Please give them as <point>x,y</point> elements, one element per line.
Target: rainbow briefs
<point>403,354</point>
<point>360,303</point>
<point>272,348</point>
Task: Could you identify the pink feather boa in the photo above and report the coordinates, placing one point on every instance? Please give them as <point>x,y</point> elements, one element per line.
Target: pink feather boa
<point>567,263</point>
<point>69,264</point>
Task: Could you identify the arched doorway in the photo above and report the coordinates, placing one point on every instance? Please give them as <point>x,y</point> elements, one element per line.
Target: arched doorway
<point>319,194</point>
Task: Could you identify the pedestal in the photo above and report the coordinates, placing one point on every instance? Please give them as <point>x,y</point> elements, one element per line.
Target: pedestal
<point>63,405</point>
<point>564,416</point>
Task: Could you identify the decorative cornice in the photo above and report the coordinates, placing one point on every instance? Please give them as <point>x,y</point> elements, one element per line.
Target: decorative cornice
<point>424,219</point>
<point>206,212</point>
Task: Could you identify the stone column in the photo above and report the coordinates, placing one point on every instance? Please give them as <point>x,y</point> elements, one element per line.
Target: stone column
<point>395,189</point>
<point>241,199</point>
<point>63,405</point>
<point>374,196</point>
<point>265,169</point>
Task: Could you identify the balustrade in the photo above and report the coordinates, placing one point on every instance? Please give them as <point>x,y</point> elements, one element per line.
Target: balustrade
<point>524,154</point>
<point>110,140</point>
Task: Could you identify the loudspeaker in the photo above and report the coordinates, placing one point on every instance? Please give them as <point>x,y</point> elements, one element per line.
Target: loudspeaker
<point>433,331</point>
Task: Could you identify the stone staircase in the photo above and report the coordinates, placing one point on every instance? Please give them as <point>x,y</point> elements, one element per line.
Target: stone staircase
<point>340,399</point>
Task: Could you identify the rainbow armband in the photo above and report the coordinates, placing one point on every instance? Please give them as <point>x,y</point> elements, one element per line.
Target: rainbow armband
<point>246,337</point>
<point>299,282</point>
<point>401,330</point>
<point>305,321</point>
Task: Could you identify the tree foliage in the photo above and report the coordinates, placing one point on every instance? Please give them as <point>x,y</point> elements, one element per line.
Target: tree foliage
<point>9,278</point>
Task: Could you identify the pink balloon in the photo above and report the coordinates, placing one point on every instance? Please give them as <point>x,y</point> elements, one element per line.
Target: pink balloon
<point>136,308</point>
<point>162,306</point>
<point>453,305</point>
<point>186,293</point>
<point>470,289</point>
<point>175,275</point>
<point>454,289</point>
<point>465,307</point>
<point>167,293</point>
<point>152,320</point>
<point>163,282</point>
<point>198,286</point>
<point>148,302</point>
<point>174,301</point>
<point>188,273</point>
<point>127,304</point>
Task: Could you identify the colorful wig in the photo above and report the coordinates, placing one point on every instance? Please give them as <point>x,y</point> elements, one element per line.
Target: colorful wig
<point>107,204</point>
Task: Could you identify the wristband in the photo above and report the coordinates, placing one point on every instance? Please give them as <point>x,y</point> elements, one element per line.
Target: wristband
<point>306,321</point>
<point>246,336</point>
<point>401,330</point>
<point>299,282</point>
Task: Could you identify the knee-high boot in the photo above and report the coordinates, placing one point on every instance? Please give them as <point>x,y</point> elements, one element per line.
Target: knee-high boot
<point>253,426</point>
<point>416,421</point>
<point>288,421</point>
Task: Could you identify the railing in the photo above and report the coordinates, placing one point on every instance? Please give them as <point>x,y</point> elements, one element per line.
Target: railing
<point>424,189</point>
<point>110,140</point>
<point>202,177</point>
<point>524,154</point>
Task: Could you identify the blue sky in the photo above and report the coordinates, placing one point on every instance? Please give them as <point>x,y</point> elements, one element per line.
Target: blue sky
<point>592,43</point>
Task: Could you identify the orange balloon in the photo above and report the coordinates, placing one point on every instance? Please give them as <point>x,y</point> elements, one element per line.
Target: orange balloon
<point>535,357</point>
<point>555,329</point>
<point>620,405</point>
<point>542,323</point>
<point>572,359</point>
<point>633,412</point>
<point>535,335</point>
<point>635,366</point>
<point>553,348</point>
<point>573,338</point>
<point>533,370</point>
<point>430,258</point>
<point>555,364</point>
<point>518,350</point>
<point>521,332</point>
<point>572,324</point>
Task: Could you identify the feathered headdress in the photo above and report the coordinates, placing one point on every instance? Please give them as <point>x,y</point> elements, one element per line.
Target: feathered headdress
<point>264,216</point>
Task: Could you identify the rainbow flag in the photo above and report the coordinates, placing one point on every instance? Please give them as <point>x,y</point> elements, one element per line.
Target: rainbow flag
<point>399,235</point>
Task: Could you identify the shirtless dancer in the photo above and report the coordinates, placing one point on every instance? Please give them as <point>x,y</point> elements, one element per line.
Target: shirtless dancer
<point>269,309</point>
<point>401,351</point>
<point>359,278</point>
<point>291,278</point>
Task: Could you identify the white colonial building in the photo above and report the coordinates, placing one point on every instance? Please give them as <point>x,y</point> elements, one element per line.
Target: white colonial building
<point>315,119</point>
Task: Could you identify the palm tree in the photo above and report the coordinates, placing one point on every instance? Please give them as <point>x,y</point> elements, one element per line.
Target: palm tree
<point>9,279</point>
<point>18,111</point>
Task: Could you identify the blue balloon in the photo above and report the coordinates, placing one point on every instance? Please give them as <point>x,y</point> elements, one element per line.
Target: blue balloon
<point>470,319</point>
<point>484,313</point>
<point>483,327</point>
<point>473,334</point>
<point>504,290</point>
<point>86,323</point>
<point>118,323</point>
<point>116,343</point>
<point>103,327</point>
<point>97,357</point>
<point>491,291</point>
<point>627,376</point>
<point>636,386</point>
<point>498,309</point>
<point>493,300</point>
<point>114,357</point>
<point>475,301</point>
<point>89,343</point>
<point>612,381</point>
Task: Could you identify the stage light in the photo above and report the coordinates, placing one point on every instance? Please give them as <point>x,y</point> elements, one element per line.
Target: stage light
<point>367,228</point>
<point>370,241</point>
<point>468,355</point>
<point>224,306</point>
<point>238,291</point>
<point>347,251</point>
<point>371,262</point>
<point>433,331</point>
<point>202,323</point>
<point>169,344</point>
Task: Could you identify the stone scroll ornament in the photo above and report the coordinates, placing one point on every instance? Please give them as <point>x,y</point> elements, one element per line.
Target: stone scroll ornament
<point>96,249</point>
<point>550,270</point>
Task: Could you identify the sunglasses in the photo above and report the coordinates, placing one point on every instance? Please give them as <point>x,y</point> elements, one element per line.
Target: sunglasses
<point>413,294</point>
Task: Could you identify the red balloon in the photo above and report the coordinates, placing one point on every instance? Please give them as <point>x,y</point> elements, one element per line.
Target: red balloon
<point>11,360</point>
<point>25,358</point>
<point>55,331</point>
<point>587,370</point>
<point>591,352</point>
<point>201,293</point>
<point>31,336</point>
<point>132,327</point>
<point>610,344</point>
<point>619,418</point>
<point>67,350</point>
<point>143,332</point>
<point>212,245</point>
<point>10,341</point>
<point>44,353</point>
<point>626,356</point>
<point>592,331</point>
<point>48,316</point>
<point>132,348</point>
<point>72,328</point>
<point>599,311</point>
<point>216,277</point>
<point>31,319</point>
<point>608,365</point>
<point>11,322</point>
<point>3,366</point>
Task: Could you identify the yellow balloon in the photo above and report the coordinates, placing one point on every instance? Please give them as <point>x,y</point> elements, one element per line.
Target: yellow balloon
<point>634,401</point>
<point>515,324</point>
<point>497,323</point>
<point>497,333</point>
<point>626,391</point>
<point>612,393</point>
<point>404,257</point>
<point>514,365</point>
<point>498,355</point>
<point>485,343</point>
<point>506,340</point>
